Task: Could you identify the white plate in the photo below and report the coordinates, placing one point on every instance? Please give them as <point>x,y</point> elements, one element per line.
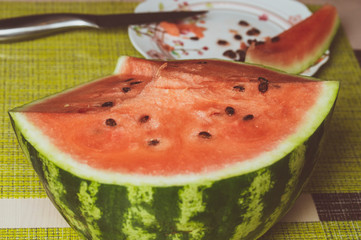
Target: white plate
<point>222,31</point>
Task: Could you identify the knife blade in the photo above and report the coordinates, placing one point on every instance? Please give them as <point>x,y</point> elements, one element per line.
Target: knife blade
<point>34,26</point>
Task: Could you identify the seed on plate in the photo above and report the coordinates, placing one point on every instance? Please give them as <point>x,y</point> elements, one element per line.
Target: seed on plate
<point>230,54</point>
<point>238,37</point>
<point>222,42</point>
<point>250,41</point>
<point>241,55</point>
<point>253,32</point>
<point>243,23</point>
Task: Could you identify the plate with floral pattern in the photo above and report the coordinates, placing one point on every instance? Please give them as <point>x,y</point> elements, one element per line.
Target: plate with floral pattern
<point>225,32</point>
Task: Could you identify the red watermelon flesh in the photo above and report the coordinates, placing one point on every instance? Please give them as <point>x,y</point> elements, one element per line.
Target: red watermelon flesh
<point>299,47</point>
<point>181,117</point>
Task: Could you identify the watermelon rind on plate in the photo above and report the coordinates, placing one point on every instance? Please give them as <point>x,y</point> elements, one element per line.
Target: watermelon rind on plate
<point>168,196</point>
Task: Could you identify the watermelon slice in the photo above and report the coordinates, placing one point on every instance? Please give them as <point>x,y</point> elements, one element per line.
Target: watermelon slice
<point>299,47</point>
<point>198,149</point>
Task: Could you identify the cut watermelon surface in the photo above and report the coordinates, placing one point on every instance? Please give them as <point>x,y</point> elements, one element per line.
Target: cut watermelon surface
<point>224,147</point>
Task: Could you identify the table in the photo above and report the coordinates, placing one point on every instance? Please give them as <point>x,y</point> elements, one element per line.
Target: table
<point>329,207</point>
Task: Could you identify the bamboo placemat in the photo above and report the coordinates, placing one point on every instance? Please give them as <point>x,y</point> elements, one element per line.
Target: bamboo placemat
<point>33,69</point>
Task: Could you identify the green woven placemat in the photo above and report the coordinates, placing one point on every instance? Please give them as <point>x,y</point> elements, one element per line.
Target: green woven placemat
<point>38,234</point>
<point>33,69</point>
<point>339,169</point>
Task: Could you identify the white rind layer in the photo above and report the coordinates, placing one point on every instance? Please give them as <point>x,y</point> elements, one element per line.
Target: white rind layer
<point>312,120</point>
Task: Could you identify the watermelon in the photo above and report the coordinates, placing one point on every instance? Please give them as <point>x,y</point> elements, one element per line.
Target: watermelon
<point>299,47</point>
<point>192,149</point>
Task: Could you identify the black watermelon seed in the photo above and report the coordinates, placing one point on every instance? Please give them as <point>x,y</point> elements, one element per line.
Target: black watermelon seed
<point>241,55</point>
<point>202,62</point>
<point>126,89</point>
<point>230,54</point>
<point>222,42</point>
<point>243,23</point>
<point>248,117</point>
<point>253,32</point>
<point>250,41</point>
<point>110,122</point>
<point>194,38</point>
<point>153,142</point>
<point>239,88</point>
<point>275,39</point>
<point>107,104</point>
<point>230,111</point>
<point>238,37</point>
<point>144,119</point>
<point>129,79</point>
<point>134,83</point>
<point>205,134</point>
<point>263,87</point>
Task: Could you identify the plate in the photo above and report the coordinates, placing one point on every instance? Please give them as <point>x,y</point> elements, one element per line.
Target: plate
<point>224,32</point>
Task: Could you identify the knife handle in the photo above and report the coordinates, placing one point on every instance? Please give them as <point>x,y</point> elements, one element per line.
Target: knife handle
<point>33,26</point>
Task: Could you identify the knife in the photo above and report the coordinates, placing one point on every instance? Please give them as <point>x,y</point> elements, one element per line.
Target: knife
<point>34,26</point>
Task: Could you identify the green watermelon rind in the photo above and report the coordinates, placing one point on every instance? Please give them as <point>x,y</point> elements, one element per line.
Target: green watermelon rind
<point>312,120</point>
<point>239,207</point>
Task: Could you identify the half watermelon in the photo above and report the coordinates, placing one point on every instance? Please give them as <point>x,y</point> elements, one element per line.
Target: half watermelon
<point>198,149</point>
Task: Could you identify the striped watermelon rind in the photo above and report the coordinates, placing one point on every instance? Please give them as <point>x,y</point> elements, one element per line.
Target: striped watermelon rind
<point>241,202</point>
